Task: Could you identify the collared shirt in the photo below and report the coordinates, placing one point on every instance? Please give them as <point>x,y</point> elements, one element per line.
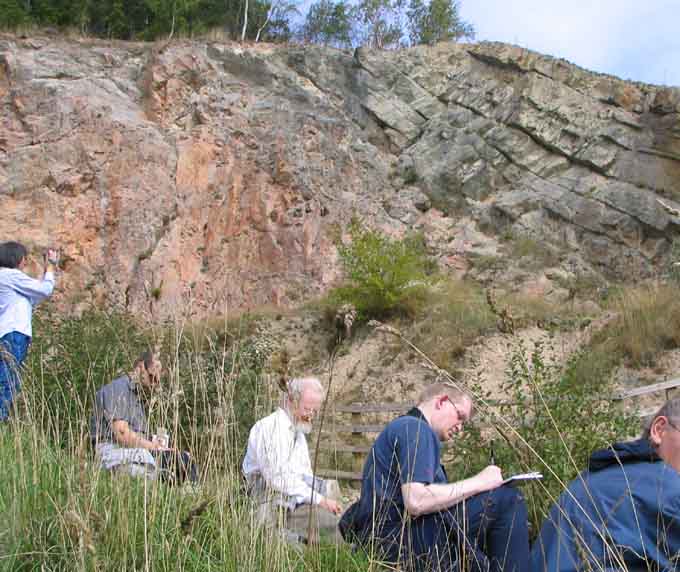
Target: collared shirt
<point>18,294</point>
<point>278,454</point>
<point>117,400</point>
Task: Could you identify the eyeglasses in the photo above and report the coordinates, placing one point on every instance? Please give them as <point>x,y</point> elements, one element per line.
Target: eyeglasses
<point>462,416</point>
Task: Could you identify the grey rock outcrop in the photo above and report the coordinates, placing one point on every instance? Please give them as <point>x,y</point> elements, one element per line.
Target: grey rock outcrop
<point>214,177</point>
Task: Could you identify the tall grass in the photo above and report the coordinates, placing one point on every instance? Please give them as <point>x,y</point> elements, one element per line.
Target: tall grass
<point>61,513</point>
<point>64,514</point>
<point>647,322</point>
<point>457,314</point>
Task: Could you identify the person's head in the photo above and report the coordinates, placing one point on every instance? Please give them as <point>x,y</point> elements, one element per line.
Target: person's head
<point>12,255</point>
<point>303,401</point>
<point>446,409</point>
<point>148,369</point>
<point>663,433</point>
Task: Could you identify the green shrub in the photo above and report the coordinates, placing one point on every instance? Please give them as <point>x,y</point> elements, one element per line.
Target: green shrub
<point>560,415</point>
<point>384,276</point>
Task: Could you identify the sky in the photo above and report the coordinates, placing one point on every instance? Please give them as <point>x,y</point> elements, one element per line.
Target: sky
<point>638,40</point>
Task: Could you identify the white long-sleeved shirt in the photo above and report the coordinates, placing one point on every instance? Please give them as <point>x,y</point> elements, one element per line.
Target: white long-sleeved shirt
<point>278,454</point>
<point>18,294</point>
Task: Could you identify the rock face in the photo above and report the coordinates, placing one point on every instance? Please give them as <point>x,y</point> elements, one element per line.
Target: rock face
<point>206,178</point>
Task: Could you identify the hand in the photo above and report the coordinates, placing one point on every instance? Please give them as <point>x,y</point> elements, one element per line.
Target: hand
<point>491,477</point>
<point>331,506</point>
<point>52,257</point>
<point>156,446</point>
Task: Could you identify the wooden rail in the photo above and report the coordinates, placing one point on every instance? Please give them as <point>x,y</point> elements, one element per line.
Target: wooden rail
<point>357,430</point>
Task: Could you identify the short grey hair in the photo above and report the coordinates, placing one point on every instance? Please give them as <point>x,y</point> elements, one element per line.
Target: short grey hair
<point>298,385</point>
<point>670,409</point>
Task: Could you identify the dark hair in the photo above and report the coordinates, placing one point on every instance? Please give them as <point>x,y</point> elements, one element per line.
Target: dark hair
<point>11,254</point>
<point>146,358</point>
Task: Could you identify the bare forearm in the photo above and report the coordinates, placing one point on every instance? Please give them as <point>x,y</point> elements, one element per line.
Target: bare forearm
<point>132,439</point>
<point>433,498</point>
<point>420,498</point>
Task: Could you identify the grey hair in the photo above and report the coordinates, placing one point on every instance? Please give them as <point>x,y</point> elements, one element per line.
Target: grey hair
<point>670,409</point>
<point>297,386</point>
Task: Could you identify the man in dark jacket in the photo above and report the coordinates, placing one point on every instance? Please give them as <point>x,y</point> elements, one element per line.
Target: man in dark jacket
<point>623,512</point>
<point>413,516</point>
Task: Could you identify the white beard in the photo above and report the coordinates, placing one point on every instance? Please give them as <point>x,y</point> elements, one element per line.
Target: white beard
<point>303,427</point>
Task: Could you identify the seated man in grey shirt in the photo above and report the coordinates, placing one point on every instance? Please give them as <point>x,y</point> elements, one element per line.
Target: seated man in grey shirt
<point>120,432</point>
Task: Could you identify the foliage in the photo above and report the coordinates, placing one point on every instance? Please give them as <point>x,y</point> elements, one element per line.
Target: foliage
<point>384,276</point>
<point>222,388</point>
<point>329,23</point>
<point>436,21</point>
<point>276,26</point>
<point>150,19</point>
<point>64,514</point>
<point>12,14</point>
<point>379,23</point>
<point>559,416</point>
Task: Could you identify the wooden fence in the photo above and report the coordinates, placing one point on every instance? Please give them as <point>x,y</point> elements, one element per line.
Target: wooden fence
<point>355,433</point>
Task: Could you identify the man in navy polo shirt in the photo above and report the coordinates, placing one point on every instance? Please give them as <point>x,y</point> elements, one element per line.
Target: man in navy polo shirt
<point>412,515</point>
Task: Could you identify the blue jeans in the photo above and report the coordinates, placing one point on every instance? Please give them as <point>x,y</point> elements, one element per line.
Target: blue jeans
<point>486,533</point>
<point>13,350</point>
<point>497,527</point>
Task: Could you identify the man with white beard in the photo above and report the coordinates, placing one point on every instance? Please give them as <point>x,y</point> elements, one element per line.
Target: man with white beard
<point>278,469</point>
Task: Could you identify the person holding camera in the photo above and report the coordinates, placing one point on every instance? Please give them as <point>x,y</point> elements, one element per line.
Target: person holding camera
<point>18,294</point>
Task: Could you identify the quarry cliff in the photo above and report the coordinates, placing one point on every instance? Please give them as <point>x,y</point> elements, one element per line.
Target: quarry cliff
<point>212,177</point>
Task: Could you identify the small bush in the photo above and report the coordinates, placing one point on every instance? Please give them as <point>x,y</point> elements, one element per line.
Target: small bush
<point>560,415</point>
<point>384,276</point>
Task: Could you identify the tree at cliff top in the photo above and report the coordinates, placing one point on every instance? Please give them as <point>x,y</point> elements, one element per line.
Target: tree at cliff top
<point>436,21</point>
<point>329,23</point>
<point>379,23</point>
<point>150,19</point>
